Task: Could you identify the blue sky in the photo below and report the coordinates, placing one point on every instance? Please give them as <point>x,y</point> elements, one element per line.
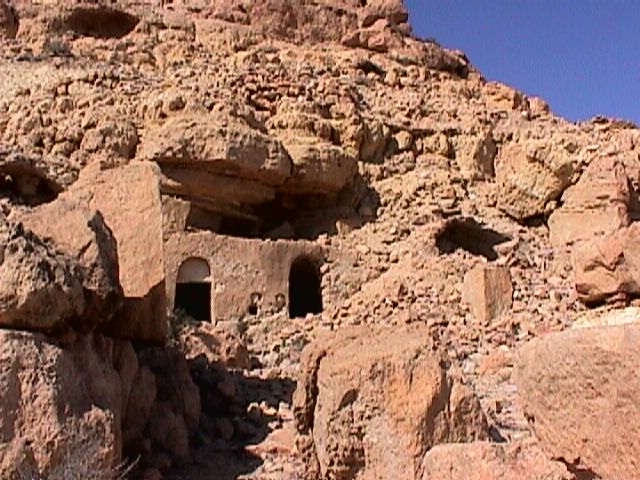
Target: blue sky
<point>582,56</point>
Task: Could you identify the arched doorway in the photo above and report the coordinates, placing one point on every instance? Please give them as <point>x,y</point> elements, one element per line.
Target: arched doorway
<point>305,294</point>
<point>193,289</point>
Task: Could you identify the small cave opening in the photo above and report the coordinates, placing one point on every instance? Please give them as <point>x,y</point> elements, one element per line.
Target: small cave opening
<point>367,66</point>
<point>469,235</point>
<point>100,22</point>
<point>193,289</point>
<point>27,189</point>
<point>305,290</point>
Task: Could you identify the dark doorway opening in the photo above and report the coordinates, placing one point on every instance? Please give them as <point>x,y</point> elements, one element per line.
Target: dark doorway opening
<point>305,294</point>
<point>194,299</point>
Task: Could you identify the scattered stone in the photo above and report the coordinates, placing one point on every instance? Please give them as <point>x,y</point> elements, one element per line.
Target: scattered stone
<point>489,291</point>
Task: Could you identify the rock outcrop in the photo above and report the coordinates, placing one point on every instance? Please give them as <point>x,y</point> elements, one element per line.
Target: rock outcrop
<point>597,205</point>
<point>129,200</point>
<point>370,405</point>
<point>594,368</point>
<point>530,175</point>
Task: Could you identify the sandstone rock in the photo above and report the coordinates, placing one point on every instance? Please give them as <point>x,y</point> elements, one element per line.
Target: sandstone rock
<point>40,288</point>
<point>8,20</point>
<point>113,138</point>
<point>211,189</point>
<point>392,10</point>
<point>488,290</point>
<point>404,140</point>
<point>596,369</point>
<point>61,407</point>
<point>217,146</point>
<point>318,166</point>
<point>607,268</point>
<point>595,206</point>
<point>604,318</point>
<point>168,431</point>
<point>82,233</point>
<point>475,155</point>
<point>129,199</point>
<point>438,144</point>
<point>371,405</point>
<point>490,461</point>
<point>529,176</point>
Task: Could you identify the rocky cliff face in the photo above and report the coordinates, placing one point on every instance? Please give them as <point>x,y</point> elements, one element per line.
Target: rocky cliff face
<point>435,196</point>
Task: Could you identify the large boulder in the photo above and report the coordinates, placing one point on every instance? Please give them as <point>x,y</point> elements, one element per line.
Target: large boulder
<point>40,287</point>
<point>61,408</point>
<point>530,175</point>
<point>82,233</point>
<point>370,405</point>
<point>580,391</point>
<point>490,461</point>
<point>597,205</point>
<point>225,146</point>
<point>608,268</point>
<point>129,201</point>
<point>111,221</point>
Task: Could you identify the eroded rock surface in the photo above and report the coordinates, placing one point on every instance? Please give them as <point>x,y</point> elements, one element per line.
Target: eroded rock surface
<point>595,368</point>
<point>370,405</point>
<point>40,287</point>
<point>490,461</point>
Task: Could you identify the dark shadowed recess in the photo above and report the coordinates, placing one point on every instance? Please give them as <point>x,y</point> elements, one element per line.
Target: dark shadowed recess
<point>100,22</point>
<point>467,234</point>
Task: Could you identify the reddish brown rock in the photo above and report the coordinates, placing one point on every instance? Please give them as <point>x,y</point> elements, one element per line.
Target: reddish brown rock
<point>607,268</point>
<point>81,232</point>
<point>370,405</point>
<point>595,206</point>
<point>129,200</point>
<point>488,290</point>
<point>40,288</point>
<point>491,461</point>
<point>217,345</point>
<point>580,392</point>
<point>61,407</point>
